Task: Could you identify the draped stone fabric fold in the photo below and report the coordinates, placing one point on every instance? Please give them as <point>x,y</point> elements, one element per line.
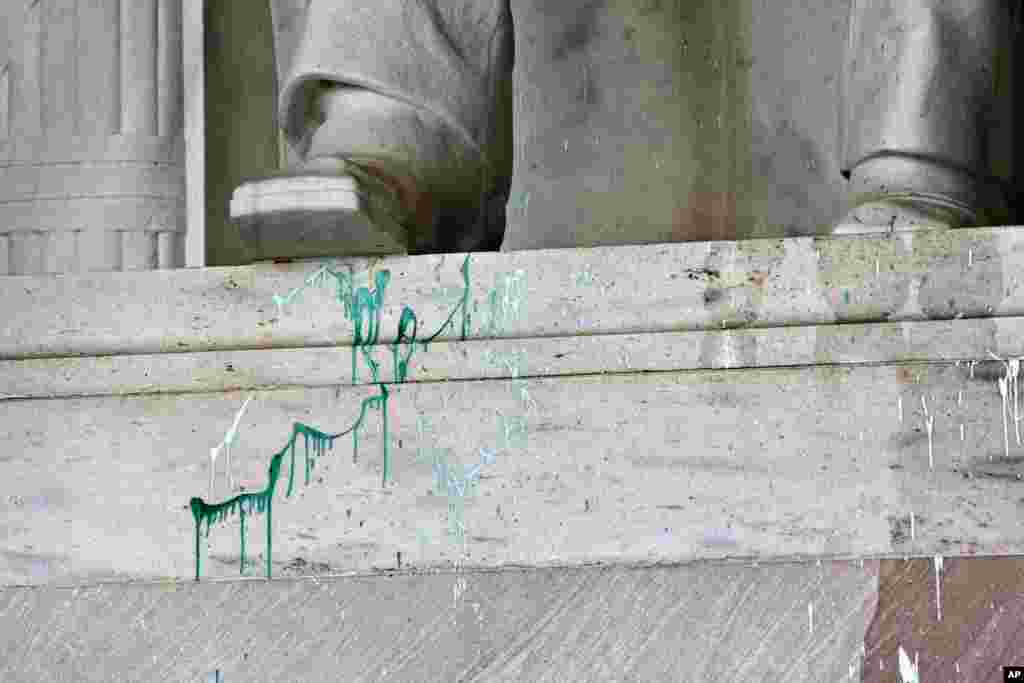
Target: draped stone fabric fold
<point>446,59</point>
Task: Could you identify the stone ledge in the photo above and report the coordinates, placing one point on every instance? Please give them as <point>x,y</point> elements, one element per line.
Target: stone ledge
<point>760,283</point>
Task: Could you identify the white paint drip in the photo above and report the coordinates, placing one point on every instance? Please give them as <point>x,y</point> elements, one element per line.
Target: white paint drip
<point>961,432</point>
<point>1013,370</point>
<point>970,258</point>
<point>929,423</point>
<point>971,366</point>
<point>938,585</point>
<point>958,667</point>
<point>810,617</point>
<point>959,398</point>
<point>908,671</point>
<point>1009,388</point>
<point>876,266</point>
<point>1006,433</point>
<point>225,444</point>
<point>900,402</point>
<point>912,526</point>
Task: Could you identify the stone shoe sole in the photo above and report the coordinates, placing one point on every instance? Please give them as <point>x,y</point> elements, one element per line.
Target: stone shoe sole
<point>314,215</point>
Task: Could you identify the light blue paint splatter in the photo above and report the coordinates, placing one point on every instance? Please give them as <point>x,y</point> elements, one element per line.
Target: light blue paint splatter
<point>720,537</point>
<point>41,569</point>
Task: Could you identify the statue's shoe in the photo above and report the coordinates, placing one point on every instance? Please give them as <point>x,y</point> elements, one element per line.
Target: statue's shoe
<point>898,213</point>
<point>332,207</point>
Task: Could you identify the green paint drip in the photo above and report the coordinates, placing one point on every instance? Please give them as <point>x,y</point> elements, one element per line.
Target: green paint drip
<point>373,303</point>
<point>402,366</point>
<point>354,303</point>
<point>261,501</point>
<point>241,561</point>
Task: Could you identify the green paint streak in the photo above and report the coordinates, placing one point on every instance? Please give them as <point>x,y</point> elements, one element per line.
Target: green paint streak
<point>241,563</point>
<point>504,302</point>
<point>513,431</point>
<point>355,303</point>
<point>463,306</point>
<point>260,501</point>
<point>402,366</point>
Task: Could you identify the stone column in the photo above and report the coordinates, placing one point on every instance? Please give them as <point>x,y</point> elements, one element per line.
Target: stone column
<point>91,138</point>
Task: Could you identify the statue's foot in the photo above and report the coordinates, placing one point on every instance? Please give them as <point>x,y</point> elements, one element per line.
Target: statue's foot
<point>434,172</point>
<point>901,192</point>
<point>897,213</point>
<point>332,207</point>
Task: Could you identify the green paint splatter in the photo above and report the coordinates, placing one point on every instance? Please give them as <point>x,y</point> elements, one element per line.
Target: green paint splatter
<point>519,201</point>
<point>505,302</point>
<point>356,303</point>
<point>584,278</point>
<point>262,501</point>
<point>512,431</point>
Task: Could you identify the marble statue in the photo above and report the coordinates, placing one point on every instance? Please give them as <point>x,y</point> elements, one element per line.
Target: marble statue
<point>928,113</point>
<point>674,129</point>
<point>404,98</point>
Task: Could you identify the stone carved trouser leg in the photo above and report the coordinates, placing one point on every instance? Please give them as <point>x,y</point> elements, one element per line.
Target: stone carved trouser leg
<point>927,113</point>
<point>412,94</point>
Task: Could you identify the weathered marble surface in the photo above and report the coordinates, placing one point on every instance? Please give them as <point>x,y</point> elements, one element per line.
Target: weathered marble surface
<point>694,623</point>
<point>640,122</point>
<point>605,290</point>
<point>578,431</point>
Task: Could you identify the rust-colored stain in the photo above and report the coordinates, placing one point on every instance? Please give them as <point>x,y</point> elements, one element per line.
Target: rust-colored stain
<point>419,203</point>
<point>904,376</point>
<point>758,278</point>
<point>707,216</point>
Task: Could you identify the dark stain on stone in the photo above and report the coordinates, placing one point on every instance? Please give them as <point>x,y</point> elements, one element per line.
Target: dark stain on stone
<point>494,540</point>
<point>996,465</point>
<point>985,371</point>
<point>549,427</point>
<point>899,527</point>
<point>580,32</point>
<point>299,564</point>
<point>905,440</point>
<point>702,273</point>
<point>712,296</point>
